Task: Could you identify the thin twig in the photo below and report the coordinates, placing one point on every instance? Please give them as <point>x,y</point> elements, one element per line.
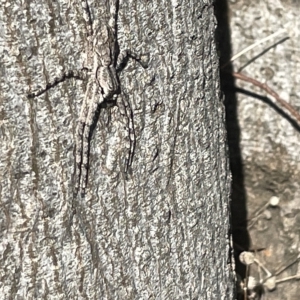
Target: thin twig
<point>287,266</point>
<point>286,107</point>
<point>297,276</point>
<point>253,46</point>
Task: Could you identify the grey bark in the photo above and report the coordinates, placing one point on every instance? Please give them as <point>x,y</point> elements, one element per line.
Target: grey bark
<point>160,231</point>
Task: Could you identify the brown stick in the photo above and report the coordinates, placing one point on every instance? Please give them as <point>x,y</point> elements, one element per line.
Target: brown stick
<point>286,107</point>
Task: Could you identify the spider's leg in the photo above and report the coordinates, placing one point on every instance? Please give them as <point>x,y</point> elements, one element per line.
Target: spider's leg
<point>124,56</point>
<point>95,98</point>
<point>128,112</point>
<point>67,75</point>
<point>82,124</point>
<point>88,17</point>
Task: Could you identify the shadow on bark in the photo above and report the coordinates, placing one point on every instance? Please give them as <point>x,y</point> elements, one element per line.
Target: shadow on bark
<point>238,197</point>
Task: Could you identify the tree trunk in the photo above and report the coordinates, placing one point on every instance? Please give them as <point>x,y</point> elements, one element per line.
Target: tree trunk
<point>154,222</point>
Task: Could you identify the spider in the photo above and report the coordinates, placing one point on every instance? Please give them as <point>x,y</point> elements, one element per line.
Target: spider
<point>103,63</point>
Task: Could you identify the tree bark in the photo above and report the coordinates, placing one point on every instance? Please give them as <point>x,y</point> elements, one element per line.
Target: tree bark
<point>158,230</point>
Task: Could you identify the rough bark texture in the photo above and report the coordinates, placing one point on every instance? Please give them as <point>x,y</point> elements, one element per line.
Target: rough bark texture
<point>264,142</point>
<point>161,231</point>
